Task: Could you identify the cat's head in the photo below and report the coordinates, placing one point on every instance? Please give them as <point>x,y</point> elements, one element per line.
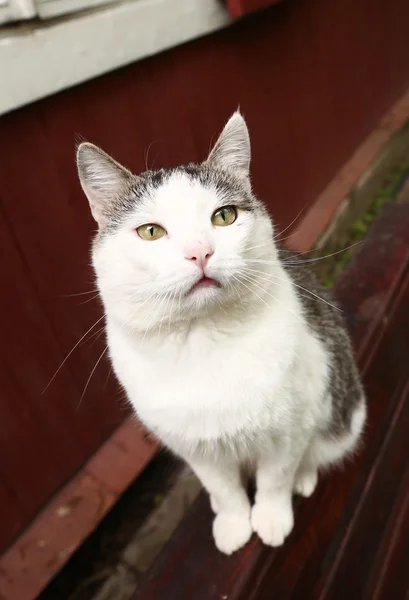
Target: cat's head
<point>176,244</point>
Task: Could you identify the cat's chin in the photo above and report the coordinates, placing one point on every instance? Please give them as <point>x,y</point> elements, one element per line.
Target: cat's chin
<point>203,295</point>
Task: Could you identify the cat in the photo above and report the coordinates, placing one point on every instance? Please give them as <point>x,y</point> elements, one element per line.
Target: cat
<point>218,335</point>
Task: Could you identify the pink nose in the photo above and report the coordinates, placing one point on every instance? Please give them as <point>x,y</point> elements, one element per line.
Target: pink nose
<point>199,253</point>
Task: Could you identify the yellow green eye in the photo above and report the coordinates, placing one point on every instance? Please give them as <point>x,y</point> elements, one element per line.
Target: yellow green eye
<point>224,216</point>
<point>151,232</point>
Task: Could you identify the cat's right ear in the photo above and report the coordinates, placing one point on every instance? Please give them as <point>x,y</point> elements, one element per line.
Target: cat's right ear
<point>232,149</point>
<point>103,180</point>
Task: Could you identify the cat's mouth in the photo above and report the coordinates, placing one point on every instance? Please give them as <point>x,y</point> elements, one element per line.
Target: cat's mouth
<point>204,282</point>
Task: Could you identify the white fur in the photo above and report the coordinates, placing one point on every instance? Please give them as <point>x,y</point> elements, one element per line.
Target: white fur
<point>228,378</point>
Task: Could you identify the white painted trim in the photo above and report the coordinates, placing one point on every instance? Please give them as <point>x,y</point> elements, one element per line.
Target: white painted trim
<point>23,9</point>
<point>40,60</point>
<point>16,10</point>
<point>48,9</point>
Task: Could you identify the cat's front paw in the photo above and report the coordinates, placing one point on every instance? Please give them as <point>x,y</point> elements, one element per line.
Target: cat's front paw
<point>272,521</point>
<point>231,531</point>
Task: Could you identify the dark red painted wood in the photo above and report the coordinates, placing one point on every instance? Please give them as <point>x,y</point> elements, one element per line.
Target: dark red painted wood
<point>349,539</point>
<point>312,78</point>
<point>238,8</point>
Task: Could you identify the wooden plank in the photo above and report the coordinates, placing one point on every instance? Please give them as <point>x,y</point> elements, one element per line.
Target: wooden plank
<point>49,541</point>
<point>375,519</point>
<point>16,515</point>
<point>374,292</point>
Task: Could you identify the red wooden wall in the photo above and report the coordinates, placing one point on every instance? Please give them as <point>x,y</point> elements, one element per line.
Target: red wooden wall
<point>238,8</point>
<point>312,78</point>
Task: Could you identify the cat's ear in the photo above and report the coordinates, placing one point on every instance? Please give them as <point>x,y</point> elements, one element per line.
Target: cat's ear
<point>232,149</point>
<point>102,179</point>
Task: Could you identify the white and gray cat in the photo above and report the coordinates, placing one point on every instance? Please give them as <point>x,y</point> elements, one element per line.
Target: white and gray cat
<point>217,334</point>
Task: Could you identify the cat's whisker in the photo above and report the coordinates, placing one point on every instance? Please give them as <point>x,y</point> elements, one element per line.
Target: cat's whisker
<point>165,309</point>
<point>268,279</point>
<point>153,312</point>
<point>274,297</point>
<point>170,314</point>
<point>175,295</point>
<point>179,302</point>
<point>70,352</point>
<point>90,299</point>
<point>250,290</point>
<point>276,277</point>
<point>91,374</point>
<point>96,335</point>
<point>147,299</point>
<point>108,376</point>
<point>292,223</point>
<point>80,294</point>
<point>157,306</point>
<point>287,237</point>
<point>308,260</point>
<point>265,244</point>
<point>293,260</point>
<point>220,305</point>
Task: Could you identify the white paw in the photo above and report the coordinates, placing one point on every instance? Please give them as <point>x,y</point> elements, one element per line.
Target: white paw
<point>214,505</point>
<point>305,483</point>
<point>231,531</point>
<point>272,521</point>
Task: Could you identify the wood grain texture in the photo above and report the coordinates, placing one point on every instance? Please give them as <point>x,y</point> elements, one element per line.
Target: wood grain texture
<point>311,77</point>
<point>350,539</point>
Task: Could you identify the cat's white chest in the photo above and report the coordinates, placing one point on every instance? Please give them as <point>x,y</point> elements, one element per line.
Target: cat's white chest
<point>205,386</point>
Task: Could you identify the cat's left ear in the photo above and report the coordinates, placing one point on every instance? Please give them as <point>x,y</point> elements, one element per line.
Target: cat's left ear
<point>232,149</point>
<point>103,180</point>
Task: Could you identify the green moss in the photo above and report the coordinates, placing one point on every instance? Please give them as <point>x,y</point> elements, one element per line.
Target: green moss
<point>359,228</point>
<point>158,499</point>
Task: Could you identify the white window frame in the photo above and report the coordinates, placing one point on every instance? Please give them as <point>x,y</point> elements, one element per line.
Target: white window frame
<point>43,59</point>
<point>16,10</point>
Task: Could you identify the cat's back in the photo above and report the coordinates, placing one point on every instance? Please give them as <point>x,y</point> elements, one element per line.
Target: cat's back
<point>326,320</point>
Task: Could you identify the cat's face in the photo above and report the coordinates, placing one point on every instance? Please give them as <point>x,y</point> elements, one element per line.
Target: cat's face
<point>176,244</point>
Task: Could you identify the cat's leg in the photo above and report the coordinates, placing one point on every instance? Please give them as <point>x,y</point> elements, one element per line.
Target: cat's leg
<point>329,450</point>
<point>222,479</point>
<point>272,514</point>
<point>306,477</point>
<point>325,450</point>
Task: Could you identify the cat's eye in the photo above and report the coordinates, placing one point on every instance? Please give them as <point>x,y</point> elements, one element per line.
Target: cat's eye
<point>224,216</point>
<point>151,232</point>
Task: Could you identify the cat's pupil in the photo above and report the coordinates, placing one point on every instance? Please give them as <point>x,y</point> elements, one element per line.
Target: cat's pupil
<point>150,230</point>
<point>223,214</point>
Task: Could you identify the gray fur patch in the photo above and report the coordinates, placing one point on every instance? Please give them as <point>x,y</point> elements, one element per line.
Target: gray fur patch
<point>233,188</point>
<point>345,389</point>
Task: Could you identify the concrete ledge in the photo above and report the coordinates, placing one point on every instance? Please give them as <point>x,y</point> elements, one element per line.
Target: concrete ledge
<point>43,58</point>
